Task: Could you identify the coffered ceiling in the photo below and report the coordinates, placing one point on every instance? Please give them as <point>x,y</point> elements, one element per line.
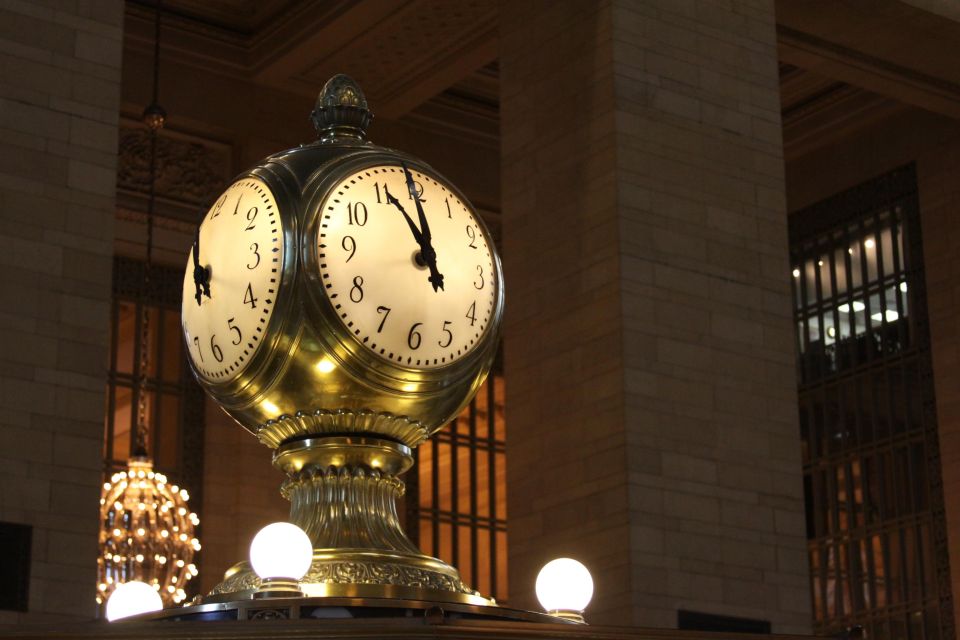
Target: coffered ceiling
<point>403,52</point>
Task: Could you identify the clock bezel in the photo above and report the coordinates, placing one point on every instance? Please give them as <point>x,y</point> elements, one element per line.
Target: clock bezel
<point>350,352</point>
<point>277,177</point>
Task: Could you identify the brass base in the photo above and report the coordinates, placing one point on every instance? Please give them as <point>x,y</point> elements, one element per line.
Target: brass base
<point>278,588</point>
<point>343,492</point>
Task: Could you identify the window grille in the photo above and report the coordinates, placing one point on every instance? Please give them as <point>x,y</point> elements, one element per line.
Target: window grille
<point>875,521</point>
<point>175,402</point>
<point>456,499</point>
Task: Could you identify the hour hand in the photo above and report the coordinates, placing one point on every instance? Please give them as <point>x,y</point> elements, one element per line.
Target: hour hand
<point>201,275</point>
<point>413,227</point>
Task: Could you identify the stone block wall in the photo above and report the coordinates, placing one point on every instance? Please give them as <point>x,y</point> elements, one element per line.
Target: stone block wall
<point>59,97</point>
<point>648,350</point>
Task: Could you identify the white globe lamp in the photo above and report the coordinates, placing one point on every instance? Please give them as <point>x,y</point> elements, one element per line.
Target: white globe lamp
<point>280,554</point>
<point>132,598</point>
<point>564,588</point>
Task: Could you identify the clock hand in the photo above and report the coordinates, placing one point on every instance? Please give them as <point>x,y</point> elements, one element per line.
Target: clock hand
<point>201,275</point>
<point>426,247</point>
<point>416,233</point>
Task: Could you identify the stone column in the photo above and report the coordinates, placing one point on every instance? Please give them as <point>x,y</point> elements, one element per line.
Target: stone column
<point>651,392</point>
<point>59,105</point>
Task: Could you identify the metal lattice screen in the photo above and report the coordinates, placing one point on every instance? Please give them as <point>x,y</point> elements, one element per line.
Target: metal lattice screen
<point>874,500</point>
<point>174,400</point>
<point>456,495</point>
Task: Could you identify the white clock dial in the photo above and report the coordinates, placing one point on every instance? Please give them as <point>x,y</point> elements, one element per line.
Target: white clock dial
<point>241,243</point>
<point>374,273</point>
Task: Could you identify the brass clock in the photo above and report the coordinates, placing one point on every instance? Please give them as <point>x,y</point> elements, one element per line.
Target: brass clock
<point>343,301</point>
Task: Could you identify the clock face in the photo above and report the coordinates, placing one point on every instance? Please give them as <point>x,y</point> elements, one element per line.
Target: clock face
<point>241,248</point>
<point>416,286</point>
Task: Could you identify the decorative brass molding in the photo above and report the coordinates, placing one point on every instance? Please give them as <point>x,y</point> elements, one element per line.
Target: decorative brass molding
<point>323,422</point>
<point>354,572</point>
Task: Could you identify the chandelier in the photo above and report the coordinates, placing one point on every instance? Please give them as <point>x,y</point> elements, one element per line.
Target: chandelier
<point>146,528</point>
<point>146,533</point>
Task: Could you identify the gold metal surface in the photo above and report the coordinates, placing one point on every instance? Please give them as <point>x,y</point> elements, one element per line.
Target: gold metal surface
<point>341,417</point>
<point>316,455</point>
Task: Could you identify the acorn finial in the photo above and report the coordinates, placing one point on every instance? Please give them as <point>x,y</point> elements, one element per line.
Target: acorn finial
<point>341,110</point>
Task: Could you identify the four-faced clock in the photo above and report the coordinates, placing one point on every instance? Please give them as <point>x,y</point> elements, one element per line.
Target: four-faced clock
<point>230,292</point>
<point>406,265</point>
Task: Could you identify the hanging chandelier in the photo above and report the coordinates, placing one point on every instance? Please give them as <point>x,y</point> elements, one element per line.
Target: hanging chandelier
<point>146,527</point>
<point>146,533</point>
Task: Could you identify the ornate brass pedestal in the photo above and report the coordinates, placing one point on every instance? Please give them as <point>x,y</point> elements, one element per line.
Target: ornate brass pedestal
<point>343,492</point>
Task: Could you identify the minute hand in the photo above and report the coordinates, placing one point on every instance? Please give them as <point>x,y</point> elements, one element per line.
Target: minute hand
<point>426,247</point>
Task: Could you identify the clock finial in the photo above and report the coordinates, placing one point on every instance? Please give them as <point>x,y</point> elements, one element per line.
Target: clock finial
<point>341,110</point>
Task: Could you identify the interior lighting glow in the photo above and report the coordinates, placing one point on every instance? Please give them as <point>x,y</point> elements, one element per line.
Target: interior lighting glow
<point>281,550</point>
<point>564,587</point>
<point>857,306</point>
<point>325,365</point>
<point>891,316</point>
<point>132,598</point>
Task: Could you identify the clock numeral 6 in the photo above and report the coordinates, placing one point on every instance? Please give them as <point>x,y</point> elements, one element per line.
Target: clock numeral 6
<point>215,348</point>
<point>414,335</point>
<point>449,335</point>
<point>357,213</point>
<point>234,327</point>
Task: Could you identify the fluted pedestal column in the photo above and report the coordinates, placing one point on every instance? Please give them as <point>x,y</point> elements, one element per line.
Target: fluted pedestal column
<point>343,493</point>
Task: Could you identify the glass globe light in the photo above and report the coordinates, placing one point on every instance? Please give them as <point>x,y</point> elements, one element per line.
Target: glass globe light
<point>564,588</point>
<point>131,598</point>
<point>281,550</point>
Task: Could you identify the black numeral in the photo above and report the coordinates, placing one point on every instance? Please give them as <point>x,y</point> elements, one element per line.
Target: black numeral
<point>472,313</point>
<point>449,335</point>
<point>472,234</point>
<point>376,185</point>
<point>218,206</point>
<point>349,246</point>
<point>386,312</point>
<point>356,291</point>
<point>248,296</point>
<point>215,348</point>
<point>449,215</point>
<point>234,327</point>
<point>251,216</point>
<point>357,213</point>
<point>196,342</point>
<point>480,272</point>
<point>254,247</point>
<point>419,189</point>
<point>414,334</point>
<point>236,207</point>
